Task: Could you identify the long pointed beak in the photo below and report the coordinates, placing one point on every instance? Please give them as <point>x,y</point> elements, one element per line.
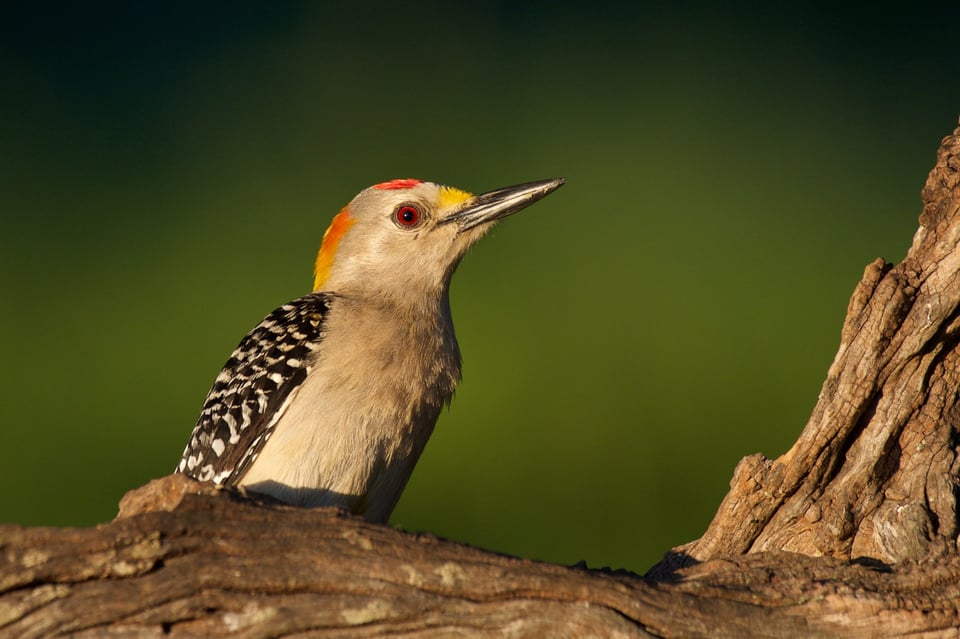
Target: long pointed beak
<point>494,205</point>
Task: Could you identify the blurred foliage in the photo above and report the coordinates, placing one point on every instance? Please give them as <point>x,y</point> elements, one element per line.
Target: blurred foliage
<point>168,170</point>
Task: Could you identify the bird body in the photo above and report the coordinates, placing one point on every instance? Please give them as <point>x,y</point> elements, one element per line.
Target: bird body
<point>331,399</point>
<point>374,427</point>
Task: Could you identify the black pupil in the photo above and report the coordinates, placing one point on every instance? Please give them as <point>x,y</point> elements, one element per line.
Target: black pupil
<point>408,215</point>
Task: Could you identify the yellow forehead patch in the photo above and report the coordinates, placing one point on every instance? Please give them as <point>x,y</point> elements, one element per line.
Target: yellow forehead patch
<point>450,197</point>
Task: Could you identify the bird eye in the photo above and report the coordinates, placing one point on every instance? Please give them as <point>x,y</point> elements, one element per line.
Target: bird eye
<point>407,216</point>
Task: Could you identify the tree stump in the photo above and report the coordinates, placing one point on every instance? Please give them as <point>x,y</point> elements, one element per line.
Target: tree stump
<point>874,472</point>
<point>850,533</point>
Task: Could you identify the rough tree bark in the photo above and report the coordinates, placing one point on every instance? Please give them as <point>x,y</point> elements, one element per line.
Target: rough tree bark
<point>852,532</point>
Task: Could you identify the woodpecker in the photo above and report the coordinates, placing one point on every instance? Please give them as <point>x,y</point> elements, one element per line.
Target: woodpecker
<point>330,400</point>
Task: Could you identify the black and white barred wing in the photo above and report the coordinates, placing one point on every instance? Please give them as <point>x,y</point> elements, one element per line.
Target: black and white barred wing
<point>252,391</point>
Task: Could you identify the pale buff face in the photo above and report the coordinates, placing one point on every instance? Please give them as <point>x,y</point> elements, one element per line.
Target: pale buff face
<point>392,239</point>
<point>402,240</point>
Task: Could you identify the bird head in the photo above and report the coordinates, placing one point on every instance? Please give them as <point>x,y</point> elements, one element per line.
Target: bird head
<point>400,237</point>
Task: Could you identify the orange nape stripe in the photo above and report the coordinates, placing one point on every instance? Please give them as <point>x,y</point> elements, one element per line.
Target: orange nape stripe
<point>394,185</point>
<point>328,247</point>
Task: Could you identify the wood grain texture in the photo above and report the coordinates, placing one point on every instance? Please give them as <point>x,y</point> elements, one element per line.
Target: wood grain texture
<point>185,560</point>
<point>874,472</point>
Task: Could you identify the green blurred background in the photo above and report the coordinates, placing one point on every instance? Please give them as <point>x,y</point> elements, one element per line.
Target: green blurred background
<point>167,170</point>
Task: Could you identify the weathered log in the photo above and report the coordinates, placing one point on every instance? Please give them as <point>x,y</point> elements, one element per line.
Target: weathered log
<point>874,473</point>
<point>852,532</point>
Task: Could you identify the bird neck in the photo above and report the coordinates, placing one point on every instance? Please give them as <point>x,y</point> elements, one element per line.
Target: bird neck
<point>412,342</point>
